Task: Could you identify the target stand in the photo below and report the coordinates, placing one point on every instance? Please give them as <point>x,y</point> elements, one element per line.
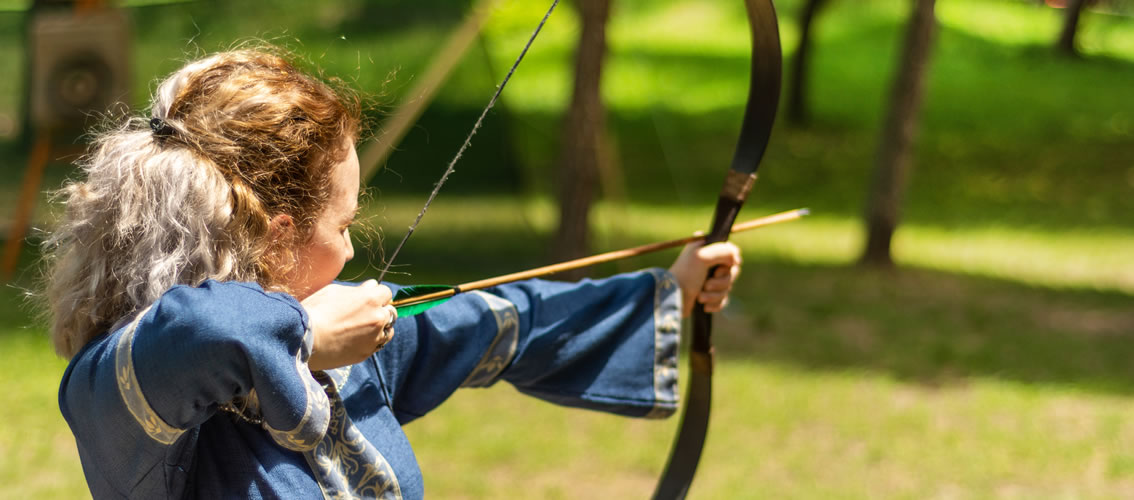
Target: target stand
<point>78,61</point>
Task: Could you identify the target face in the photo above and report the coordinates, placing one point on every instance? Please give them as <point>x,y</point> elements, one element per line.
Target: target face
<point>79,84</point>
<point>79,66</point>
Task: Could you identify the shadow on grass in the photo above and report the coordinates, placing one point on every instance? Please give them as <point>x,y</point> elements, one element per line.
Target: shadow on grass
<point>930,327</point>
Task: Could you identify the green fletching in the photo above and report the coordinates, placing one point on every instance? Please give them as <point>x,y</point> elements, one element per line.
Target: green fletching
<point>415,309</point>
<point>410,292</point>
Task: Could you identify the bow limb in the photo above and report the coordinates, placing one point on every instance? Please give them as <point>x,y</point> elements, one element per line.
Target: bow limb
<point>756,129</point>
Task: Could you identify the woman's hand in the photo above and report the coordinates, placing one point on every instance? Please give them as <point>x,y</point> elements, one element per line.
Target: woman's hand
<point>349,323</point>
<point>692,267</point>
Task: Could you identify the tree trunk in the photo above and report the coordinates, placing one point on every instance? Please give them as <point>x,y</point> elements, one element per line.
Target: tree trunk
<point>895,144</point>
<point>797,95</point>
<point>1066,42</point>
<point>584,127</point>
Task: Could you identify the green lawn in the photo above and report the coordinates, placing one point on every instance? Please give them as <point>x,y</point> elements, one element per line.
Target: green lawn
<point>994,364</point>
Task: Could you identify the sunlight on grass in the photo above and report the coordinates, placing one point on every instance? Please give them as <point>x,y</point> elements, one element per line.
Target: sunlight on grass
<point>646,50</point>
<point>651,45</point>
<point>682,27</point>
<point>648,62</point>
<point>1092,260</point>
<point>1006,22</point>
<point>1033,23</point>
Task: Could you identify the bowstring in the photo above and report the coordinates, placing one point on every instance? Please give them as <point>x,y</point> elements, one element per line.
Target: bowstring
<point>468,141</point>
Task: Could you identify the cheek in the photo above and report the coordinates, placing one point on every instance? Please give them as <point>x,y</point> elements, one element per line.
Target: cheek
<point>338,250</point>
<point>323,265</point>
<point>322,253</point>
<point>331,253</point>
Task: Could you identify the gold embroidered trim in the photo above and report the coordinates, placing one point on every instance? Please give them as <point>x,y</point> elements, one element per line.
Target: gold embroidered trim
<point>346,464</point>
<point>316,416</point>
<point>339,376</point>
<point>503,347</point>
<point>131,392</point>
<point>245,408</point>
<point>667,329</point>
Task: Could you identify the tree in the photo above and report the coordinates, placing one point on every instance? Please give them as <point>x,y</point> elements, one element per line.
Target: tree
<point>895,143</point>
<point>1066,42</point>
<point>800,74</point>
<point>584,128</point>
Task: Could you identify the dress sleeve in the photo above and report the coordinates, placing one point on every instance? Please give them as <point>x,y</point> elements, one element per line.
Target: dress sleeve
<point>136,391</point>
<point>608,345</point>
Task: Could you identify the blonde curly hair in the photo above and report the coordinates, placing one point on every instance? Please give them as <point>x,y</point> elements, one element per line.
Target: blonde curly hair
<point>242,136</point>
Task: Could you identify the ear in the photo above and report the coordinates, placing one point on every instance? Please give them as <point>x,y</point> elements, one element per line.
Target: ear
<point>281,227</point>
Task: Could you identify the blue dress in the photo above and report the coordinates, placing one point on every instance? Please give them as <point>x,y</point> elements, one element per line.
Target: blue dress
<point>206,393</point>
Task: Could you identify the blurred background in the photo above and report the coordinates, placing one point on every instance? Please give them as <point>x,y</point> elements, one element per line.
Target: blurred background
<point>954,321</point>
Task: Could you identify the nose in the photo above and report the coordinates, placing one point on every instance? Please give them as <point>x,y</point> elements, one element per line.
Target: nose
<point>349,245</point>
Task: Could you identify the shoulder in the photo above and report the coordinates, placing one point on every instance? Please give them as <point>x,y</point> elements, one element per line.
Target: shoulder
<point>224,298</point>
<point>224,307</point>
<point>226,294</point>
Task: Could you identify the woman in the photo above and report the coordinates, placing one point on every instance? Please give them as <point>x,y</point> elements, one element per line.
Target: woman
<point>212,356</point>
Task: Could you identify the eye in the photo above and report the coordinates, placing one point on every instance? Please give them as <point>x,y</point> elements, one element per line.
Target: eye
<point>346,226</point>
<point>353,219</point>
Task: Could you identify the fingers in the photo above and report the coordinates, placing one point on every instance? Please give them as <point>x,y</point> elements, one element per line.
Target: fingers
<point>695,262</point>
<point>373,296</point>
<point>726,259</point>
<point>722,279</point>
<point>727,271</point>
<point>382,292</point>
<point>719,254</point>
<point>384,316</point>
<point>713,301</point>
<point>349,323</point>
<point>386,333</point>
<point>715,290</point>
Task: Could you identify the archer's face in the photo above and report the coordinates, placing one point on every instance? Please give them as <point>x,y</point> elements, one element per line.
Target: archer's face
<point>322,258</point>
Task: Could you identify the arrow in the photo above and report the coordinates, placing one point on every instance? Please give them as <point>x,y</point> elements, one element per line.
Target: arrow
<point>412,300</point>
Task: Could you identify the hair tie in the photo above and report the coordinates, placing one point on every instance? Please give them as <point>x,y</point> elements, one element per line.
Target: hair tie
<point>160,127</point>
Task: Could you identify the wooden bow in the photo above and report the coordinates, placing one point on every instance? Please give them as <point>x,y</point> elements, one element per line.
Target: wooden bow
<point>756,129</point>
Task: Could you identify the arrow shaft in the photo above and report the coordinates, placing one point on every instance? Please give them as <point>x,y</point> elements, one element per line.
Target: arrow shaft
<point>596,259</point>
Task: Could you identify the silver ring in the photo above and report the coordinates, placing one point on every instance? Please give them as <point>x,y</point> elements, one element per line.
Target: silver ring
<point>387,336</point>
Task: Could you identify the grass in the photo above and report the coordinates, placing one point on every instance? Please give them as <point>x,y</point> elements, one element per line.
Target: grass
<point>993,364</point>
<point>783,433</point>
<point>37,452</point>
